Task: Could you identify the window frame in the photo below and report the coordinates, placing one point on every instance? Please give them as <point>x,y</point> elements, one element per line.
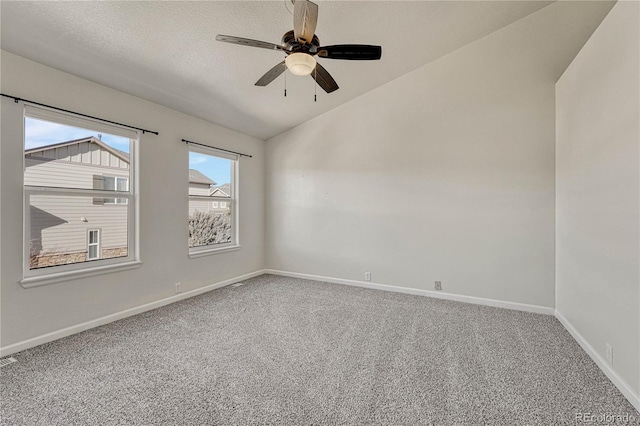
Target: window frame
<point>233,200</point>
<point>98,244</point>
<point>46,275</point>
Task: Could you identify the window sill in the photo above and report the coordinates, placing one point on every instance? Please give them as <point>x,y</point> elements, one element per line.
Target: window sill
<point>207,252</point>
<point>30,282</point>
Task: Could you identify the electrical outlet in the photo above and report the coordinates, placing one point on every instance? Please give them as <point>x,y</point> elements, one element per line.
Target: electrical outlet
<point>367,276</point>
<point>438,285</point>
<point>608,354</point>
<point>178,288</point>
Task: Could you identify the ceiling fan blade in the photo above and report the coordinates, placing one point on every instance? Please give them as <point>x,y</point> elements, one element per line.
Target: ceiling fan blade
<point>324,79</point>
<point>249,42</point>
<point>305,18</point>
<point>271,74</point>
<point>354,52</point>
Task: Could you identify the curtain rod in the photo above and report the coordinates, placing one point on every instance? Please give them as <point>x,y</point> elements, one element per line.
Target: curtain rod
<point>220,149</point>
<point>16,99</point>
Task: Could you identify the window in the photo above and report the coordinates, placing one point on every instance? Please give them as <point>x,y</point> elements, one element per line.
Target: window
<point>93,244</point>
<point>73,169</point>
<point>213,206</point>
<point>114,183</point>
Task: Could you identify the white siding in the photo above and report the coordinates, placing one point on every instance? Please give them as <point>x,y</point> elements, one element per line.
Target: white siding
<point>56,224</point>
<point>198,189</point>
<point>65,174</point>
<point>199,205</point>
<point>82,152</point>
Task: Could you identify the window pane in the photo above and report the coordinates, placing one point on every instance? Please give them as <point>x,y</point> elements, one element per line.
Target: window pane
<point>93,237</point>
<point>210,222</point>
<point>208,226</point>
<point>122,184</point>
<point>58,228</point>
<point>109,183</point>
<point>209,175</point>
<point>93,252</point>
<point>61,156</point>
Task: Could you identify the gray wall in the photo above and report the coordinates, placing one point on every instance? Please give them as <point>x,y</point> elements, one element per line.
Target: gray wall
<point>446,173</point>
<point>598,191</point>
<point>28,313</point>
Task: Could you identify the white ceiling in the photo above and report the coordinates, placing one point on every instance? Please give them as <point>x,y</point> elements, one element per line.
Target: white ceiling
<point>166,51</point>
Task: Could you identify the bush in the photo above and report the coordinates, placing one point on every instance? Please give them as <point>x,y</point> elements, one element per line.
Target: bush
<point>206,228</point>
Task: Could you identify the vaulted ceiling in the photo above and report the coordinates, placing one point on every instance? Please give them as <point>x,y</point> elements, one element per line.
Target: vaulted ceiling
<point>166,52</point>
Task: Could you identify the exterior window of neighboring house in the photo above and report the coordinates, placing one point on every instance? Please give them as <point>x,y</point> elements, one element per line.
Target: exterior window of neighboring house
<point>73,168</point>
<point>93,244</point>
<point>114,183</point>
<point>213,205</point>
<point>110,183</point>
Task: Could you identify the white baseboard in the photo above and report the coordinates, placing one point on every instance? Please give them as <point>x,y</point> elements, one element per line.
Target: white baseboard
<point>618,381</point>
<point>55,335</point>
<point>437,294</point>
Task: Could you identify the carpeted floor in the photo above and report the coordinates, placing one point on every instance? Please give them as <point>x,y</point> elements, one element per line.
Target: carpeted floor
<point>288,351</point>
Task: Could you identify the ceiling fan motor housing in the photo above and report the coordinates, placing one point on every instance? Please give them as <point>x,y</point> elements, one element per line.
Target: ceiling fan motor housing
<point>289,41</point>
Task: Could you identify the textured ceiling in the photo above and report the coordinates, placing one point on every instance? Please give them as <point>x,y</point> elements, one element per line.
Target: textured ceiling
<point>166,51</point>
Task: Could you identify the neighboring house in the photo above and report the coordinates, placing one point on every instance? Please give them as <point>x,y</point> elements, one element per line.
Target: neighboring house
<point>199,184</point>
<point>224,190</point>
<point>67,229</point>
<point>221,190</point>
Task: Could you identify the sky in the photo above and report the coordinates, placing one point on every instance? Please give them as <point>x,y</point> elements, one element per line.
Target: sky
<point>39,133</point>
<point>215,168</point>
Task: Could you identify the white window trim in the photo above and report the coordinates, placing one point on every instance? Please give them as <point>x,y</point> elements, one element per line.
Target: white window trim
<point>233,199</point>
<point>43,276</point>
<point>207,251</point>
<point>52,278</point>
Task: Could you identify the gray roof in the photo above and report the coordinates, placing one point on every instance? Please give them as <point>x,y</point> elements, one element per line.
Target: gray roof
<point>197,177</point>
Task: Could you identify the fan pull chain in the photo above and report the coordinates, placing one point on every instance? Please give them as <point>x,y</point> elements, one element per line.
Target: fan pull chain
<point>285,82</point>
<point>315,86</point>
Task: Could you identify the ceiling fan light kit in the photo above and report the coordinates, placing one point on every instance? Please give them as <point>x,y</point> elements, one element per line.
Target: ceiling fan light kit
<point>301,45</point>
<point>300,63</point>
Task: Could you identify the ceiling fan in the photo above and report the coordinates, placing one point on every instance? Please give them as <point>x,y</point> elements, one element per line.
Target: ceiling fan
<point>301,45</point>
